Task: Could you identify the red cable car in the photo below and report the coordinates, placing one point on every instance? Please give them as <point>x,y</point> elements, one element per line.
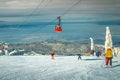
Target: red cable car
<point>58,28</point>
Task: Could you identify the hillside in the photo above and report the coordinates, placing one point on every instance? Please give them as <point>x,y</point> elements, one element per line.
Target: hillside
<point>44,48</point>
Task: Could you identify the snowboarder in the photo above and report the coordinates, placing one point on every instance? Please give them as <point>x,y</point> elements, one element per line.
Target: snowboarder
<point>79,56</point>
<point>52,54</point>
<point>109,56</point>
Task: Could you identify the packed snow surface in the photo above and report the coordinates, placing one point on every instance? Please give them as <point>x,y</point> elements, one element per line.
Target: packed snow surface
<point>61,68</point>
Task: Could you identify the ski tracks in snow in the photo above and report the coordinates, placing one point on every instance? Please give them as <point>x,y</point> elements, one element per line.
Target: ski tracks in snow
<point>62,68</point>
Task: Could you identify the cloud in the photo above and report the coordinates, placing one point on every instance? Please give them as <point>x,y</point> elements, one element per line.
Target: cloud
<point>19,4</point>
<point>64,4</point>
<point>30,38</point>
<point>89,16</point>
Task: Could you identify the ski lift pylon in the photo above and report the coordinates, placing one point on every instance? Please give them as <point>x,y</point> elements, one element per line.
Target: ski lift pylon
<point>58,27</point>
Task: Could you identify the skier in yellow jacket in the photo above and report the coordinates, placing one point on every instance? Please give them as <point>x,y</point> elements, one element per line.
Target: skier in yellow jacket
<point>109,56</point>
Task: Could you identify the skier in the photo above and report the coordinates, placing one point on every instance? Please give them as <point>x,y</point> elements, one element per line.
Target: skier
<point>92,52</point>
<point>98,54</point>
<point>52,54</point>
<point>101,53</point>
<point>109,57</point>
<point>79,56</point>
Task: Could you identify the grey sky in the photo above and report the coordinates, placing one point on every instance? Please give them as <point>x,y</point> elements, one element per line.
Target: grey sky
<point>96,14</point>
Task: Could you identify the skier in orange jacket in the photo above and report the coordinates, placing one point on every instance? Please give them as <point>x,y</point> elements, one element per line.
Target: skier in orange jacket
<point>52,54</point>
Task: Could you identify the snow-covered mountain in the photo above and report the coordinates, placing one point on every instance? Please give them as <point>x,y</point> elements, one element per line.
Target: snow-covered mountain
<point>61,48</point>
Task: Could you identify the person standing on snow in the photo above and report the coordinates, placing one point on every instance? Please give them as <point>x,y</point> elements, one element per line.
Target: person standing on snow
<point>52,54</point>
<point>109,56</point>
<point>98,53</point>
<point>101,53</point>
<point>91,52</point>
<point>79,56</point>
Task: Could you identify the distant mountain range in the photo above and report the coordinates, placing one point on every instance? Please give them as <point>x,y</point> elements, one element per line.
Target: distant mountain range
<point>45,48</point>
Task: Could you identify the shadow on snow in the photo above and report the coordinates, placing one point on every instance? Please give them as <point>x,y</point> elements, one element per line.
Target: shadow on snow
<point>92,59</point>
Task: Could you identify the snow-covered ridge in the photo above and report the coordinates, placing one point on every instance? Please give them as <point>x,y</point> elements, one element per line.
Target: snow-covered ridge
<point>61,48</point>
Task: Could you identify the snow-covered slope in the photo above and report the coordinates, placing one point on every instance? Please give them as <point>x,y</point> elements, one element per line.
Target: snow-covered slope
<point>62,68</point>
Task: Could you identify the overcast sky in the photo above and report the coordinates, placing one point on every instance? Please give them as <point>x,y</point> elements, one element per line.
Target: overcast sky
<point>34,20</point>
